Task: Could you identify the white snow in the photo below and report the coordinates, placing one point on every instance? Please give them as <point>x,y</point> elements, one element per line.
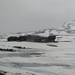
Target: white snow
<point>69,24</point>
<point>57,32</point>
<point>46,34</point>
<point>60,59</point>
<point>53,58</point>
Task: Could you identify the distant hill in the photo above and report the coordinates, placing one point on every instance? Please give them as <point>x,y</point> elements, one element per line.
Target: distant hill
<point>68,28</point>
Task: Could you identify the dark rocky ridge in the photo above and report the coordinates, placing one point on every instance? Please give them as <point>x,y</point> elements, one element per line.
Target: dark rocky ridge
<point>32,38</point>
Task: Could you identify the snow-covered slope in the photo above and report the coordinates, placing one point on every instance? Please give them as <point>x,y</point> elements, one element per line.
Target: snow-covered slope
<point>69,25</point>
<point>44,33</point>
<point>3,35</point>
<point>57,32</point>
<point>68,28</point>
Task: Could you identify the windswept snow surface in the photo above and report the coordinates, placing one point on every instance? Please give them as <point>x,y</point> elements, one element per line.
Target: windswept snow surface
<point>39,58</point>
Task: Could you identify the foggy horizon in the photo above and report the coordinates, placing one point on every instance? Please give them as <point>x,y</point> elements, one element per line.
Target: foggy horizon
<point>33,15</point>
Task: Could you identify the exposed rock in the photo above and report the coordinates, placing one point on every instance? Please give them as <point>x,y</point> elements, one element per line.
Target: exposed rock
<point>32,38</point>
<point>11,50</point>
<point>19,47</point>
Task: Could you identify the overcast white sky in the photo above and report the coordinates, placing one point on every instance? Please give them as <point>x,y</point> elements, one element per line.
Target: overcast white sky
<point>31,15</point>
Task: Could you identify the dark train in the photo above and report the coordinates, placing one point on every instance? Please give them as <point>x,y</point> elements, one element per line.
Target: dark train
<point>32,38</point>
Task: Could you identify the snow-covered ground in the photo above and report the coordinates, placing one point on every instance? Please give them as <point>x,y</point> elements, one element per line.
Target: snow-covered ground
<point>54,58</point>
<point>33,58</point>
